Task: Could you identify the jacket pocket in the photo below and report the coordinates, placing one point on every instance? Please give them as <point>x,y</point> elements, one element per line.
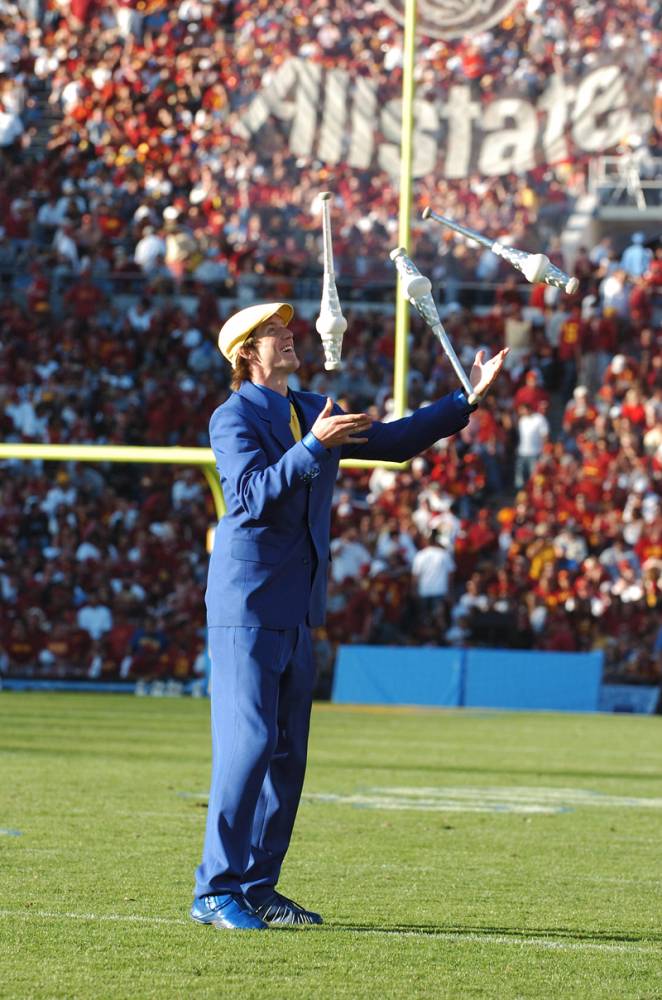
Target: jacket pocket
<point>262,552</point>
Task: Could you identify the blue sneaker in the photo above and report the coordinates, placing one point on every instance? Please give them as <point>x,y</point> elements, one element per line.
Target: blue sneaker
<point>229,912</point>
<point>279,910</point>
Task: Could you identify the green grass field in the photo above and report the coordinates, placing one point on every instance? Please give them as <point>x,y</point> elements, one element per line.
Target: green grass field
<point>453,854</point>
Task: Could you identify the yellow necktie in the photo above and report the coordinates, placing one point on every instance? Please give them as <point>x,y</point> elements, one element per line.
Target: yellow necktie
<point>295,426</point>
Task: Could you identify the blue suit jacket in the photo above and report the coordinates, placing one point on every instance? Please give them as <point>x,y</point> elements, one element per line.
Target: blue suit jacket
<point>271,550</point>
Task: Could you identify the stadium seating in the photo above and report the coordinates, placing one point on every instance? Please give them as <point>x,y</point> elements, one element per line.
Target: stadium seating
<point>135,215</point>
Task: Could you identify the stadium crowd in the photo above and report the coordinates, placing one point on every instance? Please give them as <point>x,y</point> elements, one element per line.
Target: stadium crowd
<point>149,173</point>
<point>539,525</point>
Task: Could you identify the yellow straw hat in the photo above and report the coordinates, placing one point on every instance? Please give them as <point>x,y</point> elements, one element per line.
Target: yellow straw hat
<point>237,328</point>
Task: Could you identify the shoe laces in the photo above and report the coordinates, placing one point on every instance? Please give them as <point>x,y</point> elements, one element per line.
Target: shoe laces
<point>285,911</point>
<point>219,902</point>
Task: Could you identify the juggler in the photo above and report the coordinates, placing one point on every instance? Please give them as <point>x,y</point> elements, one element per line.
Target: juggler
<point>277,454</point>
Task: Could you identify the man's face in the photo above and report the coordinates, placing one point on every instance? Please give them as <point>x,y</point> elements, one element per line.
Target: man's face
<point>274,348</point>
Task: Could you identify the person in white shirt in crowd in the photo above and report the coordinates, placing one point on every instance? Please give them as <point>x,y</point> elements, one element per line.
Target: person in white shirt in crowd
<point>65,247</point>
<point>349,557</point>
<point>88,550</point>
<point>533,432</point>
<point>140,316</point>
<point>570,546</point>
<point>424,518</point>
<point>94,617</point>
<point>616,555</point>
<point>432,570</point>
<point>473,599</point>
<point>614,292</point>
<point>392,539</point>
<point>71,94</point>
<point>447,523</point>
<point>187,488</point>
<point>434,514</point>
<point>380,480</point>
<point>11,128</point>
<point>48,220</point>
<point>62,494</point>
<point>149,249</point>
<point>70,201</point>
<point>24,416</point>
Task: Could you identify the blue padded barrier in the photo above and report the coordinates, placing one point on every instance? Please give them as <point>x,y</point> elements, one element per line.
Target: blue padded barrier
<point>516,678</point>
<point>41,684</point>
<point>641,698</point>
<point>486,678</point>
<point>397,675</point>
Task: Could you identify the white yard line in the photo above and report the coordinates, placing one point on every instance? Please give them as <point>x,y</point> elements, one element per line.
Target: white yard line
<point>469,798</point>
<point>497,799</point>
<point>441,935</point>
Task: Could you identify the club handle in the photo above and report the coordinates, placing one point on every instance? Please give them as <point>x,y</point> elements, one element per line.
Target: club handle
<point>456,364</point>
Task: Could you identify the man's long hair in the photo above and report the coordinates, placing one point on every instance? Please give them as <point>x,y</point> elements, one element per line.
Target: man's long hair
<point>242,369</point>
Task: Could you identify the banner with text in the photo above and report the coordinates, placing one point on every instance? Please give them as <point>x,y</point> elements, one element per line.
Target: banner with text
<point>336,117</point>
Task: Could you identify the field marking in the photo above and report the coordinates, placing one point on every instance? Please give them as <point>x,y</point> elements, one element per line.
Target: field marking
<point>519,799</point>
<point>493,799</point>
<point>459,937</point>
<point>574,796</point>
<point>134,918</point>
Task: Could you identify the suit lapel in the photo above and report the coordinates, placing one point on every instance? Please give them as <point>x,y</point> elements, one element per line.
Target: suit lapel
<point>269,409</point>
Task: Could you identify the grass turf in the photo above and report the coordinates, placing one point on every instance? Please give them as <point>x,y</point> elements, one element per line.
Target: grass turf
<point>106,793</point>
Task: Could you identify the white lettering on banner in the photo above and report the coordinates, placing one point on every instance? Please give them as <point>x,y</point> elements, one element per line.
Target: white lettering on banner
<point>554,101</point>
<point>601,116</point>
<point>456,137</point>
<point>510,150</point>
<point>304,125</point>
<point>296,77</point>
<point>425,152</point>
<point>363,117</point>
<point>333,133</point>
<point>461,113</point>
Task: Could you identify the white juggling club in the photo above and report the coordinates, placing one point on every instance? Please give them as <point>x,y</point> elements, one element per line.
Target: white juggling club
<point>330,324</point>
<point>534,266</point>
<point>418,290</point>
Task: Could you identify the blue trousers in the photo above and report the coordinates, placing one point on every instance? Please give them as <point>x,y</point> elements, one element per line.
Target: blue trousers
<point>261,694</point>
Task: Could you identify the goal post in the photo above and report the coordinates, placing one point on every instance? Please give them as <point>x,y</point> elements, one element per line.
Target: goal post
<point>203,458</point>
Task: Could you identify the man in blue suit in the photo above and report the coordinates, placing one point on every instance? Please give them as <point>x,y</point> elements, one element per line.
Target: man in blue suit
<point>277,454</point>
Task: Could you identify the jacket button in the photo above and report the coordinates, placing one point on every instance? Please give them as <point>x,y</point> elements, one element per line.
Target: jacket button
<point>305,560</point>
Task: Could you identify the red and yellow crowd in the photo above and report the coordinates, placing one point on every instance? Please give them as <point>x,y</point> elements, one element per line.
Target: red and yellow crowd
<point>135,216</point>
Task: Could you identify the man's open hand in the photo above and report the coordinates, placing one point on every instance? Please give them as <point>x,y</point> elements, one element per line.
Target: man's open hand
<point>483,373</point>
<point>334,429</point>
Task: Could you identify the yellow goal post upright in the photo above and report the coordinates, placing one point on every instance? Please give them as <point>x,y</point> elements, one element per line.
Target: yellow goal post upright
<point>204,457</point>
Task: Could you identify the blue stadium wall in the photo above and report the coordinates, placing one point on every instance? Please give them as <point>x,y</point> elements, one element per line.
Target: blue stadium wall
<point>451,678</point>
<point>480,678</point>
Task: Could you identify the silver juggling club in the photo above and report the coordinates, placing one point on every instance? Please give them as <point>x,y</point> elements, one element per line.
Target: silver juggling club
<point>418,290</point>
<point>534,266</point>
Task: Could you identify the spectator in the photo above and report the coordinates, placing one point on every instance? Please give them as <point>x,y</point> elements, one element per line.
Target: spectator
<point>636,258</point>
<point>350,558</point>
<point>94,617</point>
<point>432,572</point>
<point>150,250</point>
<point>532,433</point>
